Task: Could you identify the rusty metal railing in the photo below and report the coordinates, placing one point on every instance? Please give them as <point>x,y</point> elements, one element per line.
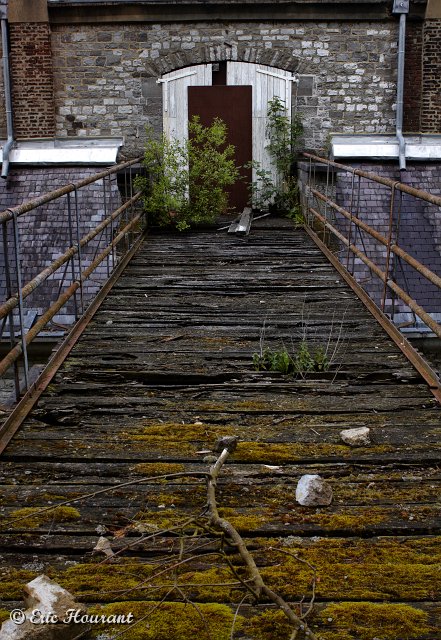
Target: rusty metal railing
<point>93,236</point>
<point>360,239</point>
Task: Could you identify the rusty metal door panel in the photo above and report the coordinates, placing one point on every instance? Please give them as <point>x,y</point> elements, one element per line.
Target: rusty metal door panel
<point>233,104</point>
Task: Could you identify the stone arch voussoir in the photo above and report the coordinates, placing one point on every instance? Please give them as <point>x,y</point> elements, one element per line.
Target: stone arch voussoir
<point>204,54</point>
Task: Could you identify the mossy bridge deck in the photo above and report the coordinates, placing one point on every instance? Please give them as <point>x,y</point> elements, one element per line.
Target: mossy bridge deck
<point>162,372</point>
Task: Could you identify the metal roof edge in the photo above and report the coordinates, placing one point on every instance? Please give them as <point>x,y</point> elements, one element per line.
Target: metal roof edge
<point>419,147</point>
<point>65,151</point>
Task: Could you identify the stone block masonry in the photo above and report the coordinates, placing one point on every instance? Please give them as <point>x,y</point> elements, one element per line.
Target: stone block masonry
<point>104,74</point>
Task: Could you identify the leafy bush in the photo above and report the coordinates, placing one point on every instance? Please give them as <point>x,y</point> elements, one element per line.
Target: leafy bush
<point>284,136</point>
<point>187,180</point>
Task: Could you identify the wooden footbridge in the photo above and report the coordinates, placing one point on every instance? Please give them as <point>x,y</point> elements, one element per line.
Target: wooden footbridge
<point>165,369</point>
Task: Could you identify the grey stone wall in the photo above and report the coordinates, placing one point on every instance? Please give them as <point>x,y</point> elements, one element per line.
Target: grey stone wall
<point>105,74</point>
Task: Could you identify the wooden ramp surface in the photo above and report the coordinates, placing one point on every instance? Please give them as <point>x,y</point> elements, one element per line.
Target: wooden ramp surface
<point>162,372</point>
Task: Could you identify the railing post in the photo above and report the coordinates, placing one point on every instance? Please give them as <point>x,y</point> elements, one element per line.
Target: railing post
<point>17,257</point>
<point>388,246</point>
<point>112,223</point>
<point>72,260</point>
<point>348,253</point>
<point>108,230</point>
<point>11,313</point>
<point>80,256</point>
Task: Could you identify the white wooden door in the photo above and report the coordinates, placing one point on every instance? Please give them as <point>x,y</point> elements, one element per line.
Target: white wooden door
<point>267,82</point>
<point>175,97</point>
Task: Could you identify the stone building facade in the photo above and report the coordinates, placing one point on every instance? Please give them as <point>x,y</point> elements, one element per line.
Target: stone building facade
<point>105,75</point>
<point>86,69</point>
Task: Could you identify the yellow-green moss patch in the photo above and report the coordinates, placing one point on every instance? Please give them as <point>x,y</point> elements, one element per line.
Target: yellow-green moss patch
<point>285,452</point>
<point>174,435</point>
<point>93,581</point>
<point>270,625</point>
<point>243,521</point>
<point>157,468</point>
<point>361,569</point>
<point>366,620</point>
<point>171,620</point>
<point>35,517</point>
<point>12,582</point>
<point>348,522</point>
<point>4,615</point>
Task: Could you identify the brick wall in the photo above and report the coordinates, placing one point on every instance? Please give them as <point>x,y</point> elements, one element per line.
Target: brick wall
<point>102,72</point>
<point>413,77</point>
<point>2,103</point>
<point>431,99</point>
<point>32,82</point>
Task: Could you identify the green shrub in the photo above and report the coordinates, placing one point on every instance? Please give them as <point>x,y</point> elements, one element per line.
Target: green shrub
<point>284,135</point>
<point>187,181</point>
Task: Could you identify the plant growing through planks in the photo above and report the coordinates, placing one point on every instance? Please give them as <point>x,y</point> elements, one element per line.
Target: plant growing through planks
<point>307,355</point>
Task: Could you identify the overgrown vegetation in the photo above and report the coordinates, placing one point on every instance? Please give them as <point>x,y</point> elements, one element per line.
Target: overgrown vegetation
<point>187,181</point>
<point>304,360</point>
<point>309,354</point>
<point>278,188</point>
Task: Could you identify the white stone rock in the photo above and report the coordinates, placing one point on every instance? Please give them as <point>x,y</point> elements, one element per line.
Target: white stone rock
<point>46,596</point>
<point>313,491</point>
<point>358,437</point>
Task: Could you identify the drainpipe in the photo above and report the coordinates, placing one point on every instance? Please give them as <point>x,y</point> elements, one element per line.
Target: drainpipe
<point>8,99</point>
<point>401,7</point>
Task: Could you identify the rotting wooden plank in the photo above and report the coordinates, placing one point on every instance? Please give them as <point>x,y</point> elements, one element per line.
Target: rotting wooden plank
<point>173,347</point>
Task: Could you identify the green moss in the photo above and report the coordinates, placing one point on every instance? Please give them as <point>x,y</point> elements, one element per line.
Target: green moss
<point>173,435</point>
<point>286,452</point>
<point>4,615</point>
<point>157,468</point>
<point>132,580</point>
<point>394,492</point>
<point>95,582</point>
<point>249,405</point>
<point>357,569</point>
<point>12,582</point>
<point>202,584</point>
<point>270,625</point>
<point>171,620</point>
<point>30,516</point>
<point>366,620</point>
<point>348,522</point>
<point>243,522</point>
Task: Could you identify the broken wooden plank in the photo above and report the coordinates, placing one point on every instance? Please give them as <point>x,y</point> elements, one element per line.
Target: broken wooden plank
<point>242,225</point>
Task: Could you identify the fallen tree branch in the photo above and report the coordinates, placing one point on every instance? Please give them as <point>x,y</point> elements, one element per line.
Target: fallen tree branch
<point>228,445</point>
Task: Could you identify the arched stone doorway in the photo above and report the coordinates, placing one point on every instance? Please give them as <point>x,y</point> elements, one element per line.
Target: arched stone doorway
<point>236,91</point>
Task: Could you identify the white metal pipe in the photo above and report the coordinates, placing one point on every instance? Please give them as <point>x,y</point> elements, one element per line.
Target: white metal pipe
<point>400,93</point>
<point>8,99</point>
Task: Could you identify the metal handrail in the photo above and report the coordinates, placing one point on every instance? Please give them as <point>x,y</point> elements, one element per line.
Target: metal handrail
<point>33,284</point>
<point>400,186</point>
<point>392,247</point>
<point>130,223</point>
<point>29,205</point>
